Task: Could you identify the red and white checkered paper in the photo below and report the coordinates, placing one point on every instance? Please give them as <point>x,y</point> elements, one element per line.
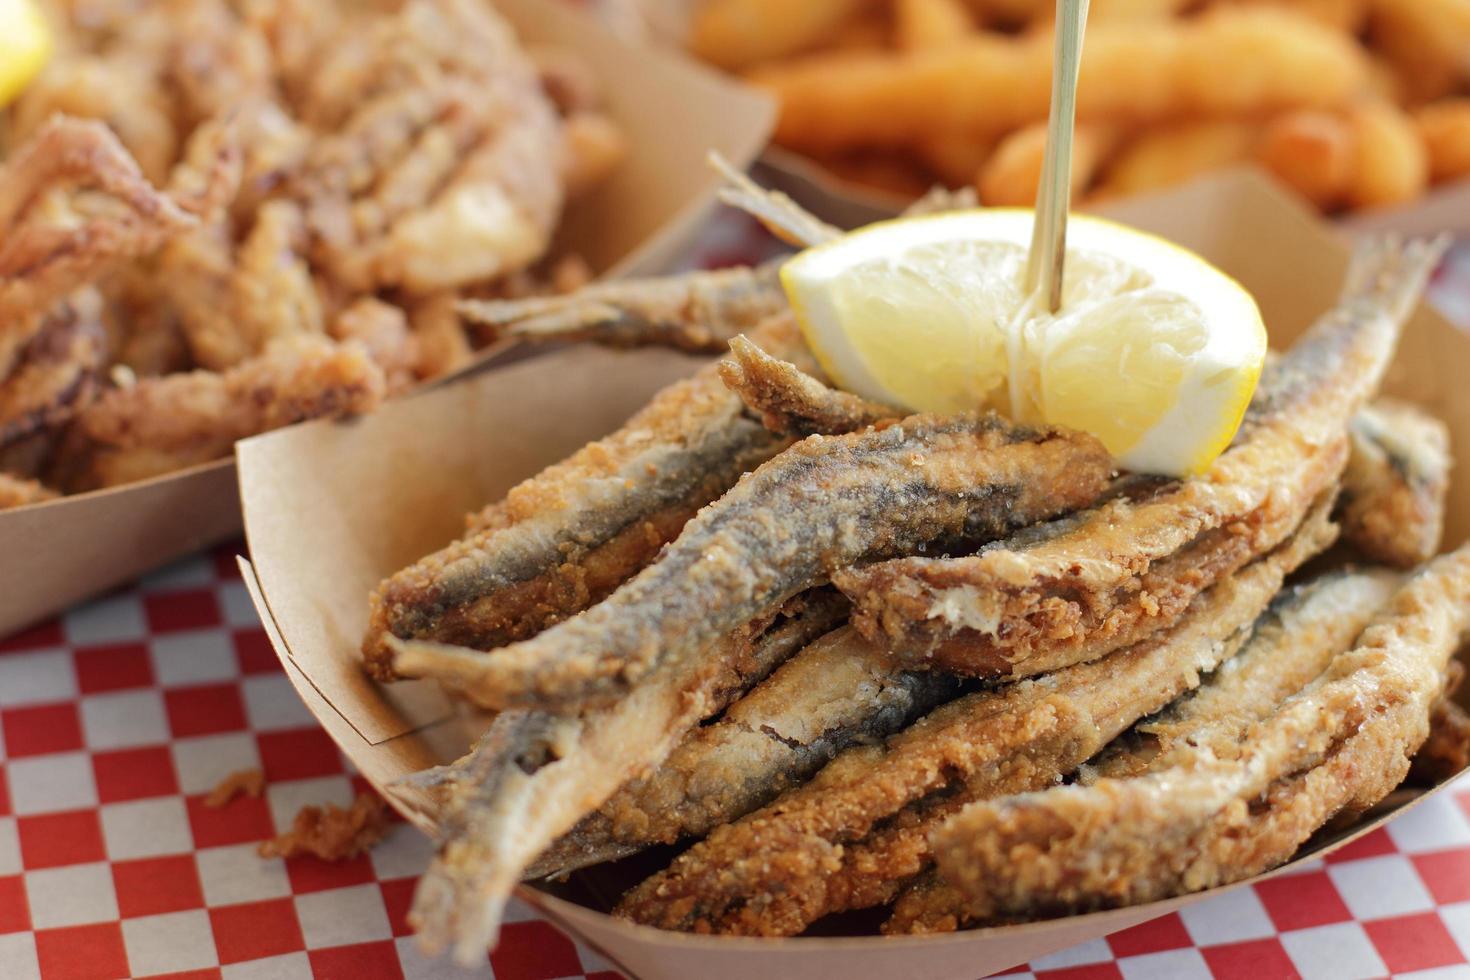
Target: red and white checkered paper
<point>117,719</point>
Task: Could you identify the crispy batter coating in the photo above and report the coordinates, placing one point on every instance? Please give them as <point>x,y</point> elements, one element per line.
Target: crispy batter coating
<point>1133,565</point>
<point>162,424</point>
<point>567,537</point>
<point>534,775</point>
<point>1292,642</point>
<point>1395,484</point>
<point>242,782</point>
<point>856,833</point>
<point>1446,752</point>
<point>821,505</point>
<point>1239,796</point>
<point>18,491</point>
<point>73,202</point>
<point>839,691</point>
<point>330,832</point>
<point>788,399</point>
<point>54,373</point>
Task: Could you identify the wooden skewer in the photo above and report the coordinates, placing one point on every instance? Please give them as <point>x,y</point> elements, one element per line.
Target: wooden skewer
<point>1047,258</point>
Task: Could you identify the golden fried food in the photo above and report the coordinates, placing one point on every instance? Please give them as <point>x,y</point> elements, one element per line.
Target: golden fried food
<point>1228,62</point>
<point>737,33</point>
<point>18,491</point>
<point>1445,128</point>
<point>330,832</point>
<point>1238,796</point>
<point>1390,162</point>
<point>1173,154</point>
<point>1012,174</point>
<point>1311,151</point>
<point>1395,484</point>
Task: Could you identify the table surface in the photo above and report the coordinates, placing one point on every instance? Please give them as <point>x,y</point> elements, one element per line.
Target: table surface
<point>119,717</point>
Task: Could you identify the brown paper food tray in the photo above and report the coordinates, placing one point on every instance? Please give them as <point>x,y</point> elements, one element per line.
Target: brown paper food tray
<point>330,509</point>
<point>849,205</point>
<point>672,111</point>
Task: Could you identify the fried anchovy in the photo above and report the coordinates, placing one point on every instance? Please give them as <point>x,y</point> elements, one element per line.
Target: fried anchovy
<point>1446,753</point>
<point>839,691</point>
<point>1292,642</point>
<point>855,834</point>
<point>1132,566</point>
<point>534,775</point>
<point>824,504</point>
<point>1235,799</point>
<point>698,311</point>
<point>694,311</point>
<point>1395,484</point>
<point>789,400</point>
<point>567,537</point>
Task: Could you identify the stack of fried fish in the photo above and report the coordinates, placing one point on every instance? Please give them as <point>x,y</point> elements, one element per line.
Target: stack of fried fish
<point>219,218</point>
<point>954,666</point>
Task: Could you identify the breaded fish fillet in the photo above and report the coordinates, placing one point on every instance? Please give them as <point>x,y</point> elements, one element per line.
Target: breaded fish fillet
<point>857,833</point>
<point>1294,641</point>
<point>1133,565</point>
<point>568,536</point>
<point>1395,484</point>
<point>823,504</point>
<point>1236,798</point>
<point>534,775</point>
<point>839,691</point>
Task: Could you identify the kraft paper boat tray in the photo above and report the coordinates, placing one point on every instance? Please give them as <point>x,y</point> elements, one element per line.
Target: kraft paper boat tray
<point>672,111</point>
<point>332,508</point>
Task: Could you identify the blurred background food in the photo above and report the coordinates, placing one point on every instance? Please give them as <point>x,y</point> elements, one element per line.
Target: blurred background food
<point>217,218</point>
<point>1355,103</point>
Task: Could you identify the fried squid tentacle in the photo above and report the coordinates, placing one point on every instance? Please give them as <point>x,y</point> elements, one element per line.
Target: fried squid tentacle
<point>1395,484</point>
<point>838,691</point>
<point>856,834</point>
<point>822,505</point>
<point>698,311</point>
<point>161,424</point>
<point>1132,566</point>
<point>570,535</point>
<point>787,399</point>
<point>1236,799</point>
<point>55,372</point>
<point>1293,642</point>
<point>534,775</point>
<point>109,211</point>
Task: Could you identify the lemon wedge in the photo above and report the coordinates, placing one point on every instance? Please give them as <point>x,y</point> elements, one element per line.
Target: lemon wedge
<point>1154,350</point>
<point>25,45</point>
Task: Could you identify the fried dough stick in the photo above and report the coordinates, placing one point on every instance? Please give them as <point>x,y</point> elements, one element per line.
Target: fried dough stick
<point>567,537</point>
<point>1112,576</point>
<point>161,424</point>
<point>856,834</point>
<point>1294,641</point>
<point>1395,485</point>
<point>1228,62</point>
<point>821,505</point>
<point>838,691</point>
<point>1236,799</point>
<point>534,775</point>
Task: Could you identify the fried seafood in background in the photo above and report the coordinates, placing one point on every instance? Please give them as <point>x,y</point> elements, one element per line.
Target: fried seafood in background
<point>1355,103</point>
<point>249,215</point>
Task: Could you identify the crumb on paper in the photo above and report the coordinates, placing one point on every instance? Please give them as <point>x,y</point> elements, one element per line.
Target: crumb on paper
<point>249,782</point>
<point>332,833</point>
